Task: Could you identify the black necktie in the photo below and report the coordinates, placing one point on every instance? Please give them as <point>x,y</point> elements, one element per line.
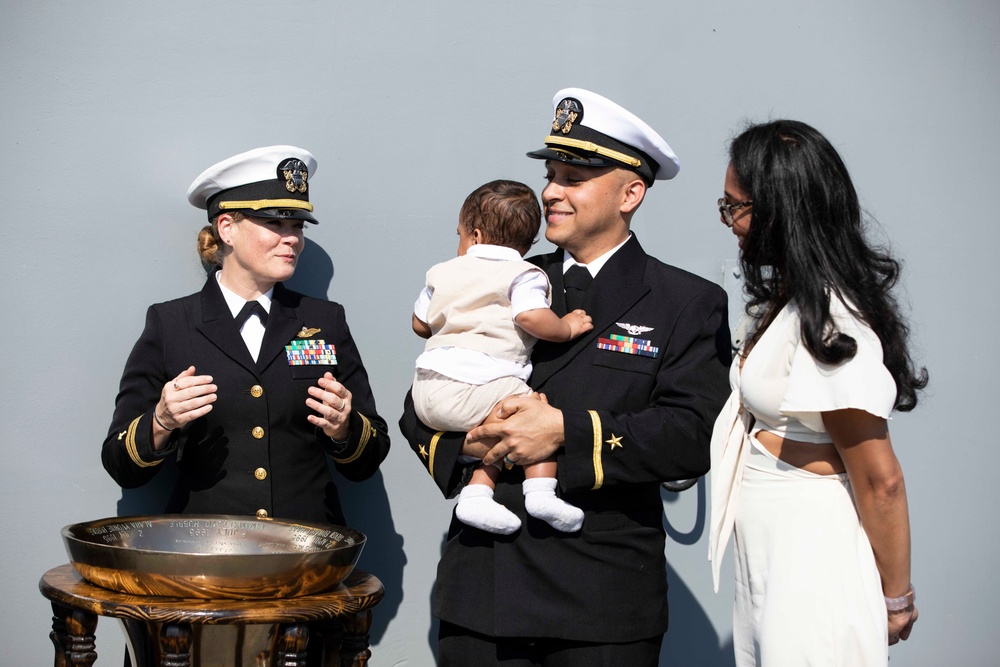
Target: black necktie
<point>249,308</point>
<point>576,280</point>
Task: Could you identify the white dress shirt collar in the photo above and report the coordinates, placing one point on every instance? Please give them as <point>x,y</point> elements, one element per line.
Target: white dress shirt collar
<point>595,266</point>
<point>490,251</point>
<point>235,301</point>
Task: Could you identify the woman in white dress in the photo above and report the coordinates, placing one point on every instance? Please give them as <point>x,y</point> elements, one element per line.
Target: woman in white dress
<point>803,471</point>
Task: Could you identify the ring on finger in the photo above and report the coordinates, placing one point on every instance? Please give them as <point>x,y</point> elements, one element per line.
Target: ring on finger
<point>506,459</point>
<point>343,402</point>
<point>176,388</point>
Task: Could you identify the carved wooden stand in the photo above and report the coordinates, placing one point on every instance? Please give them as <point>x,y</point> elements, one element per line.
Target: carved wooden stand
<point>167,632</point>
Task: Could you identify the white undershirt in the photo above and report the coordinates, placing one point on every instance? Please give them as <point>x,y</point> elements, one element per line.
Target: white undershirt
<point>253,329</point>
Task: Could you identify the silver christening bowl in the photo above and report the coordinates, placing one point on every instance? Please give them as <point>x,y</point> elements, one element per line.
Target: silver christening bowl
<point>212,556</point>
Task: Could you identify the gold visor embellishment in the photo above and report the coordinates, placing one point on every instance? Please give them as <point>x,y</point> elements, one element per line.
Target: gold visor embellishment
<point>257,204</point>
<point>591,147</point>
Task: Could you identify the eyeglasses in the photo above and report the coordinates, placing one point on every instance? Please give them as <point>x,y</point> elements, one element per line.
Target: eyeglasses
<point>727,209</point>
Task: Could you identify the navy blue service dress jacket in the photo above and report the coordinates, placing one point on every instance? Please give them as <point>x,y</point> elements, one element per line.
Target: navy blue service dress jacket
<point>632,420</point>
<point>254,453</point>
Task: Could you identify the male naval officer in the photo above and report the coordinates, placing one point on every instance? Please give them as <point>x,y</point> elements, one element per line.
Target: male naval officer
<point>630,405</point>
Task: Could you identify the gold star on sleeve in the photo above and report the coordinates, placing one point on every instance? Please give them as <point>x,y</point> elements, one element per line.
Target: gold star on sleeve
<point>423,451</point>
<point>615,441</point>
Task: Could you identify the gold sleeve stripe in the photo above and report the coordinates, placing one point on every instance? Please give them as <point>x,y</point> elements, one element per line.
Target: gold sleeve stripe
<point>367,430</point>
<point>433,448</point>
<point>598,437</point>
<point>258,204</point>
<point>133,452</point>
<point>591,147</point>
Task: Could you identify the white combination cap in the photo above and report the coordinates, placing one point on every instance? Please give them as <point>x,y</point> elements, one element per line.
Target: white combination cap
<point>592,131</point>
<point>268,182</point>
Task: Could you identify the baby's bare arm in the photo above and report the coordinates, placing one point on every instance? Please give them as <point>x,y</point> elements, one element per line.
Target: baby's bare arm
<point>421,328</point>
<point>544,324</point>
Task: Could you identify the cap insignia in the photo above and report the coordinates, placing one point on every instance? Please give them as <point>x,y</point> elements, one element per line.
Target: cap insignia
<point>295,174</point>
<point>566,114</point>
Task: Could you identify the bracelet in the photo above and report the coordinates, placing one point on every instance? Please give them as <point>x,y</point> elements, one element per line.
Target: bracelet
<point>340,443</point>
<point>902,603</point>
<point>908,609</point>
<point>161,423</point>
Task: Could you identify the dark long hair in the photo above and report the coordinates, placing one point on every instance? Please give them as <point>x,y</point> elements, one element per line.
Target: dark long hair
<point>807,243</point>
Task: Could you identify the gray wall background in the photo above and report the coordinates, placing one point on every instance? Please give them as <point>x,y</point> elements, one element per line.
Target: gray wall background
<point>108,110</point>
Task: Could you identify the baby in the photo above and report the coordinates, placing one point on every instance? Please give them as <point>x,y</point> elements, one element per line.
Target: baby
<point>481,314</point>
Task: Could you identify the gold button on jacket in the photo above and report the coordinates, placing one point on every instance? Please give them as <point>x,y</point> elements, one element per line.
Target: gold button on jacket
<point>261,514</point>
<point>257,432</point>
<point>256,391</point>
<point>260,473</point>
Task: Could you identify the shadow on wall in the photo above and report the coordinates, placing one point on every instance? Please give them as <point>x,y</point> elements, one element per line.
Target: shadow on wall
<point>434,630</point>
<point>691,638</point>
<point>693,535</point>
<point>313,273</point>
<point>366,506</point>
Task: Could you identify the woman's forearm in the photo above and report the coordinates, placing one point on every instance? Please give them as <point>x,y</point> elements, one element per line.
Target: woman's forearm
<point>879,491</point>
<point>884,515</point>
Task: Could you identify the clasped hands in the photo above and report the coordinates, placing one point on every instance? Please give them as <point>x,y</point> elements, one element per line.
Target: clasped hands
<point>521,429</point>
<point>188,397</point>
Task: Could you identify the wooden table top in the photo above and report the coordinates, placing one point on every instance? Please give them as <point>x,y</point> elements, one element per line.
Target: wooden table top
<point>360,591</point>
